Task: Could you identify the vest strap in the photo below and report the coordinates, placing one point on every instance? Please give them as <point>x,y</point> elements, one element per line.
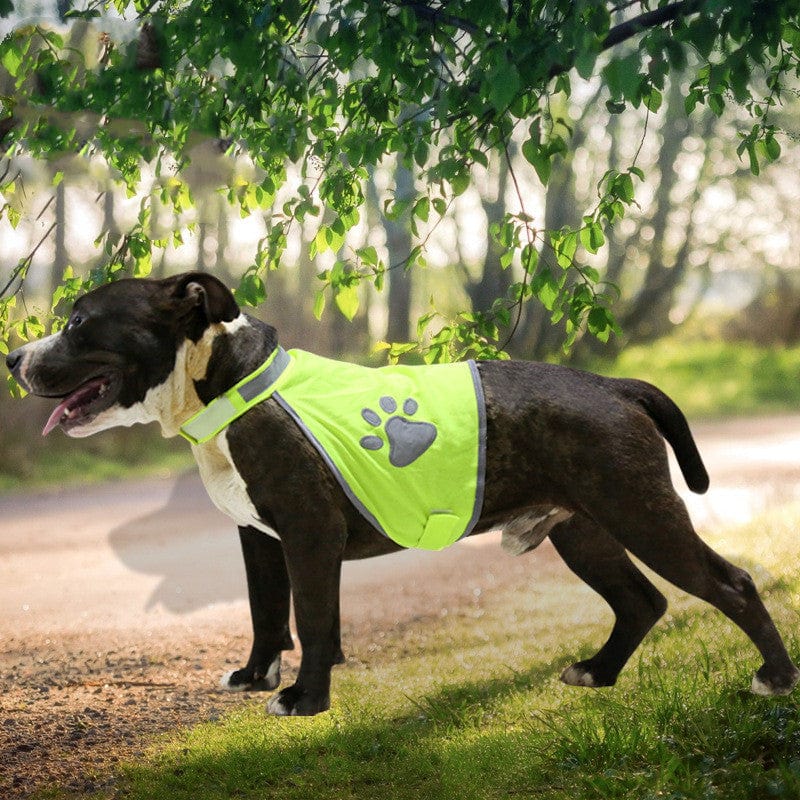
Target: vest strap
<point>226,408</point>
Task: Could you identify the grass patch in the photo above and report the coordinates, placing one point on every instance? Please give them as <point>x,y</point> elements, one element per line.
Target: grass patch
<point>472,708</point>
<point>674,727</point>
<point>712,378</point>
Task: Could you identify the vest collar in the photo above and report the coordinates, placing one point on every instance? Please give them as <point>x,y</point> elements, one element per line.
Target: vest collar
<point>226,408</point>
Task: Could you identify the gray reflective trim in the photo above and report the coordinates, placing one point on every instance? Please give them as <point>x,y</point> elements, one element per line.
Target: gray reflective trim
<point>480,485</point>
<point>262,382</point>
<point>342,481</point>
<point>215,417</point>
<point>231,405</point>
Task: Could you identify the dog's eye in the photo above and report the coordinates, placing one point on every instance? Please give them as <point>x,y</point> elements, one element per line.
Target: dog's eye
<point>74,321</point>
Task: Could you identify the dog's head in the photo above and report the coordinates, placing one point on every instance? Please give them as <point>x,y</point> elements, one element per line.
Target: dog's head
<point>115,361</point>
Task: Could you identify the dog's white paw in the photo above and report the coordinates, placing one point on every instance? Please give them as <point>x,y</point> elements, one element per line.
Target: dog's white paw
<point>225,683</point>
<point>257,681</point>
<point>577,676</point>
<point>278,708</point>
<point>765,689</point>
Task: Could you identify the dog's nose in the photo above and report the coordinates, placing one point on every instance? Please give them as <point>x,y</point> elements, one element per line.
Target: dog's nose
<point>13,358</point>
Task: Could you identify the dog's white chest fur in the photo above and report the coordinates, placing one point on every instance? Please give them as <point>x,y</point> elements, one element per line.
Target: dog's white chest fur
<point>224,484</point>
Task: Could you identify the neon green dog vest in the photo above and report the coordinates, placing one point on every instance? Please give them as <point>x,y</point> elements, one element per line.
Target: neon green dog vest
<point>407,444</point>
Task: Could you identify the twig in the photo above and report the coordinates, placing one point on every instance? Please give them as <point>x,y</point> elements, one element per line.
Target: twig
<point>650,19</point>
<point>434,15</point>
<point>531,240</point>
<point>641,141</point>
<point>143,684</point>
<point>46,206</point>
<point>26,262</point>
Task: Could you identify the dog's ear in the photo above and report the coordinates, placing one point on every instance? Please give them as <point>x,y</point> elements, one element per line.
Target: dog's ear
<point>202,296</point>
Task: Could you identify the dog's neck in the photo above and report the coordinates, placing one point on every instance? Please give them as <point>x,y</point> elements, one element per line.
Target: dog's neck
<point>231,349</point>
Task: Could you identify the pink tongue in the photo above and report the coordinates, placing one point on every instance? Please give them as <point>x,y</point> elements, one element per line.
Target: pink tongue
<point>55,417</point>
<point>88,391</point>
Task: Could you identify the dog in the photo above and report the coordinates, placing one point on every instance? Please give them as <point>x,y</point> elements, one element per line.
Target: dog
<point>567,454</point>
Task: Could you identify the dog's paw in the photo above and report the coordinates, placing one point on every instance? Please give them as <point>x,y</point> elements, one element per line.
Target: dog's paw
<point>581,674</point>
<point>774,685</point>
<point>253,679</point>
<point>295,702</point>
<point>577,676</point>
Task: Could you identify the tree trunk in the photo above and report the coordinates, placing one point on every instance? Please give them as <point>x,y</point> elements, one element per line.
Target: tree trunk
<point>398,245</point>
<point>60,255</point>
<point>647,316</point>
<point>494,281</point>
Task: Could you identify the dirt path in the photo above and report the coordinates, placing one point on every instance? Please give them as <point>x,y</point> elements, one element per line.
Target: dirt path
<point>123,604</point>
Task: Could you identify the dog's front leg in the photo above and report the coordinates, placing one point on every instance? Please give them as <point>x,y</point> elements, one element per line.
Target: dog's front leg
<point>314,563</point>
<point>268,590</point>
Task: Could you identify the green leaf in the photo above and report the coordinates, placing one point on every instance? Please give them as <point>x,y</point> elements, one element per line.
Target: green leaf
<point>504,83</point>
<point>751,153</point>
<point>143,266</point>
<point>623,187</point>
<point>439,206</point>
<point>540,160</point>
<point>592,237</point>
<point>346,299</point>
<point>623,78</point>
<point>565,244</point>
<point>12,57</point>
<point>251,290</point>
<point>691,100</point>
<point>716,102</point>
<point>600,323</point>
<point>652,99</point>
<point>460,181</point>
<point>320,240</point>
<point>772,148</point>
<point>586,58</point>
<point>369,255</point>
<point>702,33</point>
<point>422,209</point>
<point>546,289</point>
<point>319,303</point>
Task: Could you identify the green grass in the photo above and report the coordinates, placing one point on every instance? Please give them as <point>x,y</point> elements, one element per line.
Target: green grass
<point>653,737</point>
<point>712,378</point>
<point>471,708</point>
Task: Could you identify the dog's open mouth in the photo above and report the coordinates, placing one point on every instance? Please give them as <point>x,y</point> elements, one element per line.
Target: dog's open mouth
<point>83,405</point>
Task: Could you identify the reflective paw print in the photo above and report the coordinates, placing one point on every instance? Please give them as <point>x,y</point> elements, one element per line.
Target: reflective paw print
<point>408,439</point>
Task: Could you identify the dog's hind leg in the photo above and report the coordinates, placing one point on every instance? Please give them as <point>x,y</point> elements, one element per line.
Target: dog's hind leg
<point>268,590</point>
<point>655,527</point>
<point>601,562</point>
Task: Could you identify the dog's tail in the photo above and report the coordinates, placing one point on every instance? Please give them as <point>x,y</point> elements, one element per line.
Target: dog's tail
<point>673,427</point>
